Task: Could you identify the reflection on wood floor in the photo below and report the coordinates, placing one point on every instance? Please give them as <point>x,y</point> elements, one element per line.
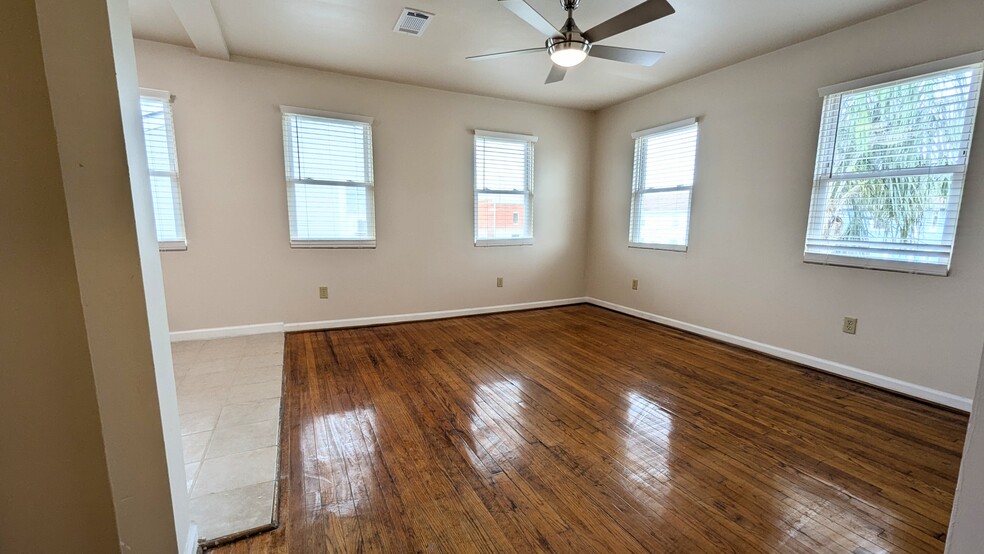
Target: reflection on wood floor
<point>577,429</point>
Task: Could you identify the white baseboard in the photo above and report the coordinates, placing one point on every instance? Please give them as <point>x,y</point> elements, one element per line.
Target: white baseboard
<point>191,542</point>
<point>261,328</point>
<point>226,332</point>
<point>421,316</point>
<point>890,383</point>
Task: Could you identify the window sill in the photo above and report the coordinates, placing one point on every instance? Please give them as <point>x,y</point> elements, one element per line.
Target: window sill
<point>349,244</point>
<point>667,247</point>
<point>172,246</point>
<point>505,242</point>
<point>935,270</point>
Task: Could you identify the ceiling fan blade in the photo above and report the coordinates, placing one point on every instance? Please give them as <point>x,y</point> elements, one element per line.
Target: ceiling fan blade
<point>556,74</point>
<point>530,16</point>
<point>628,55</point>
<point>505,54</point>
<point>648,11</point>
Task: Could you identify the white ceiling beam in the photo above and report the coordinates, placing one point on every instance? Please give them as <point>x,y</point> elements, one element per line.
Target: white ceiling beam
<point>202,25</point>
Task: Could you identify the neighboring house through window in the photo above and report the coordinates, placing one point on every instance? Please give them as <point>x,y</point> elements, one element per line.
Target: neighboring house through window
<point>503,189</point>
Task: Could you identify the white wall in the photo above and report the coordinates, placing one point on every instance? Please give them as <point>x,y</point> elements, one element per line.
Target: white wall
<point>744,273</point>
<point>239,268</point>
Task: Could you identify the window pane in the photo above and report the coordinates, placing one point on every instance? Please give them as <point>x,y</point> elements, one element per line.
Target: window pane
<point>900,210</point>
<point>664,218</point>
<point>329,212</point>
<point>503,164</point>
<point>157,134</point>
<point>500,216</point>
<point>163,166</point>
<point>328,150</point>
<point>670,158</point>
<point>663,178</point>
<point>500,164</point>
<point>167,208</point>
<point>913,124</point>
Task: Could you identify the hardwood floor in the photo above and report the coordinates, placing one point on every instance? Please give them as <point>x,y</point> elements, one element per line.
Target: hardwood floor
<point>577,429</point>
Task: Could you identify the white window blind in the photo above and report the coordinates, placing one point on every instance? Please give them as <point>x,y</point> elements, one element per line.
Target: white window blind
<point>890,171</point>
<point>158,126</point>
<point>503,189</point>
<point>328,161</point>
<point>662,185</point>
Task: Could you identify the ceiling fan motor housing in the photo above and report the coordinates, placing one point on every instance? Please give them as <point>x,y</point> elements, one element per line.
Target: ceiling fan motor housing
<point>570,41</point>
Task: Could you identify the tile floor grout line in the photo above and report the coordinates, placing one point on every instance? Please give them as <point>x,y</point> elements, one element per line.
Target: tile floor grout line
<point>208,444</point>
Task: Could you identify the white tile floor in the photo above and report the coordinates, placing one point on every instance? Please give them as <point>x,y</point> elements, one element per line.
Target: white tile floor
<point>229,405</point>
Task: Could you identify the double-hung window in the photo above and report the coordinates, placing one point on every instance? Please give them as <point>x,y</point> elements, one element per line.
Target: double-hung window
<point>328,160</point>
<point>891,161</point>
<point>162,161</point>
<point>662,186</point>
<point>503,189</point>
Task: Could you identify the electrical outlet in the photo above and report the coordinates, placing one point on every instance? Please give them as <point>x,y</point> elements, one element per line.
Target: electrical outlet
<point>323,293</point>
<point>850,325</point>
<point>635,284</point>
<point>498,282</point>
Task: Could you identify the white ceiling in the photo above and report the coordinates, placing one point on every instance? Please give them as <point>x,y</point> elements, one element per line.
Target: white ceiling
<point>356,37</point>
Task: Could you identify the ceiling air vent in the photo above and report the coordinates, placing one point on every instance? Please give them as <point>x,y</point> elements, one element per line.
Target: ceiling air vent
<point>413,22</point>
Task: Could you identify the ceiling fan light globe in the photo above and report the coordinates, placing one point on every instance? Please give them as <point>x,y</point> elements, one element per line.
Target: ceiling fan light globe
<point>568,57</point>
<point>568,50</point>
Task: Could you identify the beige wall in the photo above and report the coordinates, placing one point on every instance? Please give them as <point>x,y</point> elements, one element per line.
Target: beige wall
<point>56,492</point>
<point>744,273</point>
<point>239,268</point>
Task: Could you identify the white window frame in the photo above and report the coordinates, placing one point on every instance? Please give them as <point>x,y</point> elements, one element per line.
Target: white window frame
<point>639,168</point>
<point>369,186</point>
<point>526,193</point>
<point>824,176</point>
<point>168,98</point>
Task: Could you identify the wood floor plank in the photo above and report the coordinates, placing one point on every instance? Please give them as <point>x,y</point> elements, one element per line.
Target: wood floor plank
<point>577,429</point>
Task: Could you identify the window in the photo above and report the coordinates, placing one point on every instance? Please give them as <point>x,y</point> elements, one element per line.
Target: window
<point>503,189</point>
<point>890,168</point>
<point>662,184</point>
<point>328,160</point>
<point>155,107</point>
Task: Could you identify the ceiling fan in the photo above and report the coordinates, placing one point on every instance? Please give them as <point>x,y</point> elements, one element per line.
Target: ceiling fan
<point>568,46</point>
